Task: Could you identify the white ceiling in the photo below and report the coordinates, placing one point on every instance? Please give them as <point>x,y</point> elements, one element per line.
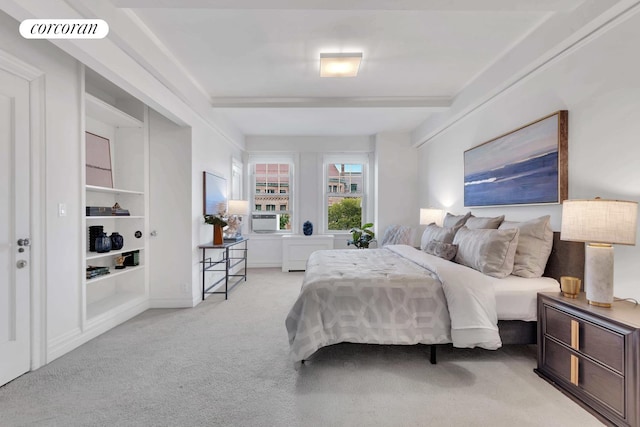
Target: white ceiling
<point>257,61</point>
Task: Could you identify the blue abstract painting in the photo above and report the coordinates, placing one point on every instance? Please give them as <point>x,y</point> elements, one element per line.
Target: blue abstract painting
<point>521,167</point>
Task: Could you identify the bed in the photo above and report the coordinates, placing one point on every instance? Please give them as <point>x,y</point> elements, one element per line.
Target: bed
<point>401,295</point>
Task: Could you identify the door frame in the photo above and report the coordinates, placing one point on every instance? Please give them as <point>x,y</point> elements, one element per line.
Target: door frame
<point>37,223</point>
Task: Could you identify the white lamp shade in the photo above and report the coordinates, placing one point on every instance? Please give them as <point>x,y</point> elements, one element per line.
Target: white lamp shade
<point>238,207</point>
<point>430,215</point>
<point>599,221</point>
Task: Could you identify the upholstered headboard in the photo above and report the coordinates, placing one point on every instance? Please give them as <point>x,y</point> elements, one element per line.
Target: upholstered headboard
<point>566,259</point>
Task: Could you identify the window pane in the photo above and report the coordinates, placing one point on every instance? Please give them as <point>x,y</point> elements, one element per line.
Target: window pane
<point>272,191</point>
<point>344,197</point>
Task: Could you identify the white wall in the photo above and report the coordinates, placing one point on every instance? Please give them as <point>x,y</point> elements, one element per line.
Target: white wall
<point>396,182</point>
<point>598,83</point>
<point>169,213</point>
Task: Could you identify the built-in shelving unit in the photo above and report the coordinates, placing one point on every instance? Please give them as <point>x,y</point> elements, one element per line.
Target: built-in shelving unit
<point>113,298</point>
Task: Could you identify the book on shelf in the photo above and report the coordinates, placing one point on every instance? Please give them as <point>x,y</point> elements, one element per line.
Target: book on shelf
<point>106,211</point>
<point>95,271</point>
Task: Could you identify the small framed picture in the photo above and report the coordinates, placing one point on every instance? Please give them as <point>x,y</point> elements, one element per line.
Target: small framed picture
<point>98,151</point>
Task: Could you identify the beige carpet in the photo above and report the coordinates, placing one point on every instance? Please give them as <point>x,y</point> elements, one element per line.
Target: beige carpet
<point>224,363</point>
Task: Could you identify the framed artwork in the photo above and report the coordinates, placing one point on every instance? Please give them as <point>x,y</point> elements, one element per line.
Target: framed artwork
<point>98,153</point>
<point>525,166</point>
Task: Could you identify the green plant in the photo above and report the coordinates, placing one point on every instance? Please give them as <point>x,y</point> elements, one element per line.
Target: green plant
<point>345,214</point>
<point>215,220</point>
<point>361,236</point>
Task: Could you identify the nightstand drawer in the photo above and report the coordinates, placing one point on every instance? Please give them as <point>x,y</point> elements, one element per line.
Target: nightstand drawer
<point>603,345</point>
<point>603,385</point>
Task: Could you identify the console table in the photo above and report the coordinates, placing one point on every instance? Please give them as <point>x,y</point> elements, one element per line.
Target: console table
<point>233,253</point>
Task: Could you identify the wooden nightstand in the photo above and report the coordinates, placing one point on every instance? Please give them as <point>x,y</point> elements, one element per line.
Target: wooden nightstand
<point>592,354</point>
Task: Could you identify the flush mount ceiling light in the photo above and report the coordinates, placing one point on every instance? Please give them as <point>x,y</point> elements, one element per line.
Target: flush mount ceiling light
<point>340,64</point>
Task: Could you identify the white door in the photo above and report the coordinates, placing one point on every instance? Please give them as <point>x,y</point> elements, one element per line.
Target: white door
<point>15,355</point>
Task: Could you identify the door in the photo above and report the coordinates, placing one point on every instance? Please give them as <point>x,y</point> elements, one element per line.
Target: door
<point>15,350</point>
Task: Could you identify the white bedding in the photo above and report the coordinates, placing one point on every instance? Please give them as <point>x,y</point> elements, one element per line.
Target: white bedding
<point>517,297</point>
<point>393,295</point>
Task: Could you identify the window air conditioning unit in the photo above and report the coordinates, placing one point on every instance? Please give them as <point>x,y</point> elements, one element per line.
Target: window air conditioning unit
<point>265,223</point>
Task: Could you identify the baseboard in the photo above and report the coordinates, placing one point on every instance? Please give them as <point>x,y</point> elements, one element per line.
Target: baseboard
<point>171,302</point>
<point>71,340</point>
<point>264,265</point>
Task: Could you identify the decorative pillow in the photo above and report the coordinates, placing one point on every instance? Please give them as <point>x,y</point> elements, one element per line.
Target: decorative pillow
<point>397,235</point>
<point>435,232</point>
<point>441,249</point>
<point>534,245</point>
<point>455,221</point>
<point>489,251</point>
<point>475,222</point>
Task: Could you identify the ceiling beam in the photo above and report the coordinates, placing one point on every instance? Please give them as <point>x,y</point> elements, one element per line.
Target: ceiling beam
<point>427,5</point>
<point>438,103</point>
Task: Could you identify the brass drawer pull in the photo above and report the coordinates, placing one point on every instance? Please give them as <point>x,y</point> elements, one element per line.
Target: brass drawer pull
<point>575,335</point>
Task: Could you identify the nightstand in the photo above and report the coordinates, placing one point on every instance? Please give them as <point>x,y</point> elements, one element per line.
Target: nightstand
<point>592,354</point>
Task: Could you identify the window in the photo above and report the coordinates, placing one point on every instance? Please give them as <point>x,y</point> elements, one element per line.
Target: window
<point>272,191</point>
<point>345,199</point>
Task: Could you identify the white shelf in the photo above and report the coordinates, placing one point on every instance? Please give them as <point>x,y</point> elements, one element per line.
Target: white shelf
<point>108,304</point>
<point>114,273</point>
<point>95,255</point>
<point>96,189</point>
<point>106,113</point>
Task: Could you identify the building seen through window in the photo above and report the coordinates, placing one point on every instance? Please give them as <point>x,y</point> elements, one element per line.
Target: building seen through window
<point>272,190</point>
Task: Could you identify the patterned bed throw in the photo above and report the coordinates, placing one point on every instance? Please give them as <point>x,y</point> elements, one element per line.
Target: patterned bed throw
<point>392,295</point>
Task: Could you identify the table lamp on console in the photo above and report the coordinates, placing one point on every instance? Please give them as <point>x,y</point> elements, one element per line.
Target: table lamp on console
<point>599,223</point>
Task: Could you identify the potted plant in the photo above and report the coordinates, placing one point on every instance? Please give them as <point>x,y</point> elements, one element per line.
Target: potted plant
<point>218,223</point>
<point>362,236</point>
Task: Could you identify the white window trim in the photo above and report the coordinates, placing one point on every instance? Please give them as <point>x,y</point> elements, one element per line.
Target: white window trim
<point>293,160</point>
<point>367,192</point>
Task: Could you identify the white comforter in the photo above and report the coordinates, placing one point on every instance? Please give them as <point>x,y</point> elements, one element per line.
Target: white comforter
<point>393,295</point>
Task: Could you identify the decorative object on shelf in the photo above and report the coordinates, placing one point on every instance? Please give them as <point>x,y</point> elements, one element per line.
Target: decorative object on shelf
<point>117,241</point>
<point>235,210</point>
<point>131,258</point>
<point>138,234</point>
<point>362,237</point>
<point>570,286</point>
<point>218,223</point>
<point>431,216</point>
<point>103,243</point>
<point>120,261</point>
<point>600,223</point>
<point>307,228</point>
<point>525,166</point>
<point>118,211</point>
<point>98,161</point>
<point>95,231</point>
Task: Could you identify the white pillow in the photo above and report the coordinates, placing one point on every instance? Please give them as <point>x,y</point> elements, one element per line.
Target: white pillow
<point>534,245</point>
<point>489,251</point>
<point>475,222</point>
<point>455,221</point>
<point>435,232</point>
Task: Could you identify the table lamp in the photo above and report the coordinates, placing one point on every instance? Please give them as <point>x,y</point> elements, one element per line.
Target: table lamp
<point>600,223</point>
<point>431,215</point>
<point>235,210</point>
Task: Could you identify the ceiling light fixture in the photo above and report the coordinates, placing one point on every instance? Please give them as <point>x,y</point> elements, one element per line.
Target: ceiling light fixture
<point>340,64</point>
